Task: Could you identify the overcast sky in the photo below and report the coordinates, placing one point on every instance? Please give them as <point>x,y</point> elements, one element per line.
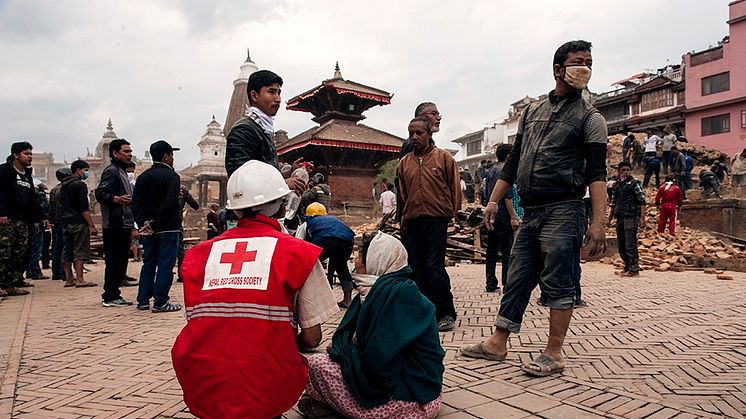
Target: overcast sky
<point>161,69</point>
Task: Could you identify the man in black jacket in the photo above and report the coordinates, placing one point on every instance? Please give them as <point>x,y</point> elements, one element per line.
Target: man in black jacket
<point>114,193</point>
<point>251,137</point>
<point>559,150</point>
<point>628,207</point>
<point>78,226</point>
<point>19,210</point>
<point>55,210</point>
<point>157,213</point>
<point>184,198</point>
<point>36,237</point>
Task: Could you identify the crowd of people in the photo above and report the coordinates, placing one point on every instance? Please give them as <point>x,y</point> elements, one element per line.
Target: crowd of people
<point>255,296</point>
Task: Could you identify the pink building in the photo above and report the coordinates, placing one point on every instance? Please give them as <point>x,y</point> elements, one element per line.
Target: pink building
<point>716,89</point>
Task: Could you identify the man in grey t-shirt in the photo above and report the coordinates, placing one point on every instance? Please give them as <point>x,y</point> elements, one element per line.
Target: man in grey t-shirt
<point>669,140</point>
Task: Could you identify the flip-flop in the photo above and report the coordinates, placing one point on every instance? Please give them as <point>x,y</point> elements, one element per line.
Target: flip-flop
<point>85,285</point>
<point>477,351</point>
<point>546,366</point>
<point>69,284</point>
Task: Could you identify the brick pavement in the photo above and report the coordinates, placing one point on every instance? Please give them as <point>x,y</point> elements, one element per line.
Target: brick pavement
<point>662,345</point>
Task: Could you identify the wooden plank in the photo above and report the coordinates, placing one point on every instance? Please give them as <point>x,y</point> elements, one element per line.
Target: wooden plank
<point>460,245</point>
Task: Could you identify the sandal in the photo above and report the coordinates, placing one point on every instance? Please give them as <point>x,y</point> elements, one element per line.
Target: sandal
<point>69,284</point>
<point>85,285</point>
<point>542,366</point>
<point>166,308</point>
<point>312,408</point>
<point>342,304</point>
<point>477,351</point>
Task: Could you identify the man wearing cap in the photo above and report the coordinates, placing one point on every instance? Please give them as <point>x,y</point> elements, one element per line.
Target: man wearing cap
<point>246,293</point>
<point>55,220</point>
<point>114,193</point>
<point>155,205</point>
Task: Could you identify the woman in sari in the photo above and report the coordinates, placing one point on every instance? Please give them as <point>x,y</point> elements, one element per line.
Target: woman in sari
<point>385,360</point>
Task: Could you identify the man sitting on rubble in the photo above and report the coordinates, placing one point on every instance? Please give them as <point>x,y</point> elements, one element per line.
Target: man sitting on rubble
<point>245,292</point>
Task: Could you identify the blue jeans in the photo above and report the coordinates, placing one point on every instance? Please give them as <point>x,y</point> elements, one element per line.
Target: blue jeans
<point>35,243</point>
<point>57,271</point>
<point>546,252</point>
<point>159,253</point>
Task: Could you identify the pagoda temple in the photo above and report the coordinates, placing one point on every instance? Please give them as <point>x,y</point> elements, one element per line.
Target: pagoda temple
<point>347,152</point>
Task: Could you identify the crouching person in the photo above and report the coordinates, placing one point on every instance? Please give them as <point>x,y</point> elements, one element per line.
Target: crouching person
<point>385,360</point>
<point>244,292</point>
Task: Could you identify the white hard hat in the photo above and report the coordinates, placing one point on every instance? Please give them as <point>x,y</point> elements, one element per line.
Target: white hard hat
<point>253,184</point>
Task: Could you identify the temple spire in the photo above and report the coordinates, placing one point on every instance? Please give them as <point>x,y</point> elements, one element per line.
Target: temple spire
<point>337,73</point>
<point>248,56</point>
<point>109,126</point>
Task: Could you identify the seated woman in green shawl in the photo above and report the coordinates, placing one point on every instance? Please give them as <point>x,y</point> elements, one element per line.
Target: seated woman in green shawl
<point>385,359</point>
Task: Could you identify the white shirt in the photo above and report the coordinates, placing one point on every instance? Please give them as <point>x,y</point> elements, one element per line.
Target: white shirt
<point>651,142</point>
<point>388,202</point>
<point>265,120</point>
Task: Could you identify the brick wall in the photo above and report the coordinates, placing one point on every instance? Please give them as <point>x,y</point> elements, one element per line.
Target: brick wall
<point>725,216</point>
<point>351,188</point>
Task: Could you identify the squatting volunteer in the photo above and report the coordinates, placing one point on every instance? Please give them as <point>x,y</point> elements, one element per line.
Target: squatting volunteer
<point>246,292</point>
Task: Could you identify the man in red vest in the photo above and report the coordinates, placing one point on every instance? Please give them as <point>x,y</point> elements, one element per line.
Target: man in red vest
<point>669,200</point>
<point>246,292</point>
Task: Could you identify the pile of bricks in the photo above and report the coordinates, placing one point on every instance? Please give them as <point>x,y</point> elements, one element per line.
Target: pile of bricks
<point>663,252</point>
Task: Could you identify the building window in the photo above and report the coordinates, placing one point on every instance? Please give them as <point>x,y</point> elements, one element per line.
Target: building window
<point>743,119</point>
<point>657,99</point>
<point>717,83</point>
<point>474,147</point>
<point>716,124</point>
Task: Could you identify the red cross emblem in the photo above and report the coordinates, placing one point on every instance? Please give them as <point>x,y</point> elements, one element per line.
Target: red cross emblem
<point>238,257</point>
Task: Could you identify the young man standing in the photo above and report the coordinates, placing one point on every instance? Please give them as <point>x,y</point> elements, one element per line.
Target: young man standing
<point>114,193</point>
<point>430,189</point>
<point>252,137</point>
<point>628,207</point>
<point>562,134</point>
<point>155,205</point>
<point>246,294</point>
<point>388,201</point>
<point>501,237</point>
<point>678,168</point>
<point>214,226</point>
<point>55,212</point>
<point>19,211</point>
<point>78,227</point>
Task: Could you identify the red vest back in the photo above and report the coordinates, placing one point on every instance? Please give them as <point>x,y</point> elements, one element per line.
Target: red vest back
<point>237,356</point>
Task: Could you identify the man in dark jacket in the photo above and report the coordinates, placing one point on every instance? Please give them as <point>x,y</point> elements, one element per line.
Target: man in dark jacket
<point>157,213</point>
<point>19,209</point>
<point>114,193</point>
<point>708,181</point>
<point>678,168</point>
<point>628,207</point>
<point>78,227</point>
<point>55,210</point>
<point>559,150</point>
<point>36,240</point>
<point>184,198</point>
<point>318,191</point>
<point>252,137</point>
<point>501,237</point>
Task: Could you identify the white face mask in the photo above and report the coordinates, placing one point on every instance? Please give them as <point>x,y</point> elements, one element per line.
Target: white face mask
<point>577,76</point>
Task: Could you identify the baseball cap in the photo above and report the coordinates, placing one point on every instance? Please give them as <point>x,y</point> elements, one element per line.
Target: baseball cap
<point>160,148</point>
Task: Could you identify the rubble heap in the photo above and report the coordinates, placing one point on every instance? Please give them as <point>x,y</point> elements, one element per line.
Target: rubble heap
<point>466,238</point>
